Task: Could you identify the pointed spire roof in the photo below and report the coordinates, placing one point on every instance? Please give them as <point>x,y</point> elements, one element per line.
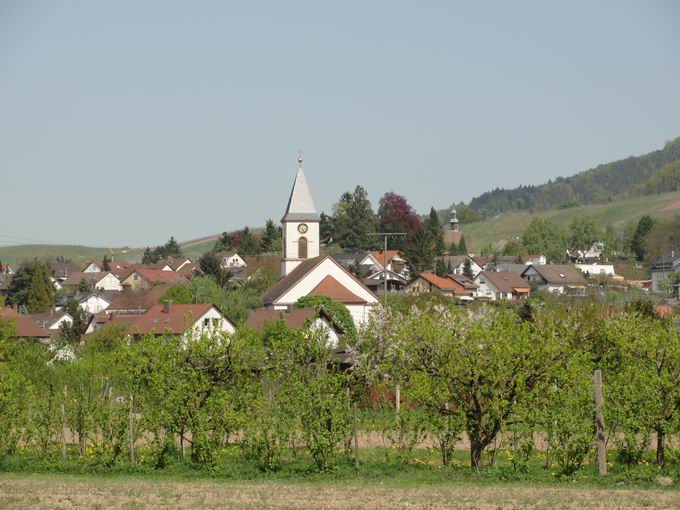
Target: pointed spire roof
<point>300,204</point>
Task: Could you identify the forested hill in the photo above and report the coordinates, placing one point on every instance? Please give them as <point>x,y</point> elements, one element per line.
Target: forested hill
<point>601,184</point>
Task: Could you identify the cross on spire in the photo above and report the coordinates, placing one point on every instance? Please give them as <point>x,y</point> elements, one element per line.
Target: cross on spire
<point>300,158</point>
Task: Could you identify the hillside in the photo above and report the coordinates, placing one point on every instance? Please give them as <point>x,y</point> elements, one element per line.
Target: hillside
<point>611,181</point>
<point>509,226</point>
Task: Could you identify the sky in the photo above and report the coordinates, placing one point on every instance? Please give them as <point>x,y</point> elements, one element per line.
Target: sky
<point>123,123</point>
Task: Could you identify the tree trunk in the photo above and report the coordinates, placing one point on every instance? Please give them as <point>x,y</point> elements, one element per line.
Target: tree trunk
<point>476,450</point>
<point>660,448</point>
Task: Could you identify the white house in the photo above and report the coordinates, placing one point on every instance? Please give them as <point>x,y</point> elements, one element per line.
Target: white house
<point>52,321</point>
<point>94,303</point>
<point>96,280</point>
<point>556,278</point>
<point>595,269</point>
<point>231,260</point>
<point>181,320</point>
<point>92,267</point>
<point>497,285</point>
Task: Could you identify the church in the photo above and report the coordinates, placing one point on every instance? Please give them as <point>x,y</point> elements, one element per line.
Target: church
<point>304,272</point>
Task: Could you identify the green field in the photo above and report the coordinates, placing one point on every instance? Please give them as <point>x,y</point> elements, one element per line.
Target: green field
<point>511,225</point>
<point>503,227</point>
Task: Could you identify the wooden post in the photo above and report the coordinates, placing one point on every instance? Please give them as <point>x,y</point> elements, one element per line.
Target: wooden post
<point>131,437</point>
<point>599,422</point>
<point>356,435</point>
<point>63,424</point>
<point>397,398</point>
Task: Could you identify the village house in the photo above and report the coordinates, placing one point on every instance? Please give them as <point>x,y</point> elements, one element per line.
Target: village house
<point>181,320</point>
<point>505,285</point>
<point>24,326</point>
<point>662,269</point>
<point>92,267</point>
<point>299,318</point>
<point>52,321</point>
<point>94,302</point>
<point>376,281</point>
<point>556,279</point>
<point>231,260</point>
<point>594,270</point>
<point>131,302</point>
<point>534,260</point>
<point>304,272</point>
<point>453,285</point>
<point>96,280</point>
<point>141,278</point>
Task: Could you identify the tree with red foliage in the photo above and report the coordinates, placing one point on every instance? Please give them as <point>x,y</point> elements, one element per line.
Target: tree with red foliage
<point>395,214</point>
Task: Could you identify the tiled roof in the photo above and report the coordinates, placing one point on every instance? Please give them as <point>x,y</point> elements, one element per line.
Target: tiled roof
<point>91,278</point>
<point>560,274</point>
<point>452,237</point>
<point>294,318</point>
<point>23,325</point>
<point>440,282</point>
<point>505,281</point>
<point>177,322</point>
<point>128,301</point>
<point>332,288</point>
<point>291,279</point>
<point>384,257</point>
<point>155,275</point>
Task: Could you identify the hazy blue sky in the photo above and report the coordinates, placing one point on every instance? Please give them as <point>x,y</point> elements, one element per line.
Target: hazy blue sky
<point>125,122</point>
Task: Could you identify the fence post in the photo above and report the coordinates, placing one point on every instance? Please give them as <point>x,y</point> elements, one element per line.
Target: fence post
<point>63,423</point>
<point>599,422</point>
<point>356,435</point>
<point>131,436</point>
<point>397,398</point>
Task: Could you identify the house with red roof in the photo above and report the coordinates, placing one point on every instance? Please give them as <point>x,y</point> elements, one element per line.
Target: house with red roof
<point>140,278</point>
<point>24,326</point>
<point>181,320</point>
<point>452,285</point>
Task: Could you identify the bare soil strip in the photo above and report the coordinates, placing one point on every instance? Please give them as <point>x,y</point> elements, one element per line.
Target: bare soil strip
<point>45,492</point>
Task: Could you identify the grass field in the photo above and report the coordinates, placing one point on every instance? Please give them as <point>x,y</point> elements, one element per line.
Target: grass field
<point>511,225</point>
<point>57,491</point>
<point>477,235</point>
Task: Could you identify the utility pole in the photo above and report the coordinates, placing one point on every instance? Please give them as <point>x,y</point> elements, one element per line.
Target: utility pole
<point>599,422</point>
<point>385,235</point>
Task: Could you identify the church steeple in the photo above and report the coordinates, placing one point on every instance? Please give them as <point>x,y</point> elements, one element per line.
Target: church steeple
<point>300,224</point>
<point>300,204</point>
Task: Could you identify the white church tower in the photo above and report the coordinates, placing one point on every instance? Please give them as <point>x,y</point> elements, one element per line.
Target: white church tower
<point>300,225</point>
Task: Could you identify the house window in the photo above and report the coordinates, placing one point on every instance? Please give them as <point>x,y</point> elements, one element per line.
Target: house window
<point>135,277</point>
<point>206,322</point>
<point>302,248</point>
<point>216,323</point>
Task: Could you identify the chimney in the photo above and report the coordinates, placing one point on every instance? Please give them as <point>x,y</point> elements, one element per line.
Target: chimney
<point>166,306</point>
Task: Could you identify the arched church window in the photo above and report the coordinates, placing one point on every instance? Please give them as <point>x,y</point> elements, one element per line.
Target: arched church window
<point>302,248</point>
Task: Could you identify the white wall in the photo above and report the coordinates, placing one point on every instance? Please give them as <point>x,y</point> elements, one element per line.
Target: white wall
<point>94,304</point>
<point>109,282</point>
<point>212,322</point>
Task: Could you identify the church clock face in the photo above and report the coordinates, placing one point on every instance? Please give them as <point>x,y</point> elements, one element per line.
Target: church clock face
<point>302,228</point>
